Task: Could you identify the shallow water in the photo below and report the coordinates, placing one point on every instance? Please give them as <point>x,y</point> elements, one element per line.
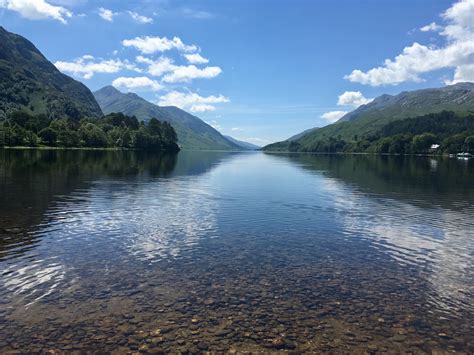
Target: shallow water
<point>127,251</point>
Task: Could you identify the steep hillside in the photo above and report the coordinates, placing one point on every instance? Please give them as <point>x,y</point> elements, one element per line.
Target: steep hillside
<point>368,120</point>
<point>458,97</point>
<point>193,133</point>
<point>29,82</point>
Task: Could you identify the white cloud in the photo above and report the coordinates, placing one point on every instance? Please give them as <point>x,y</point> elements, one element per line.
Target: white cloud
<point>196,58</point>
<point>457,53</point>
<point>137,83</point>
<point>333,116</point>
<point>159,67</point>
<point>85,66</point>
<point>460,21</point>
<point>191,101</point>
<point>352,98</point>
<point>106,14</point>
<point>140,18</point>
<point>149,45</point>
<point>462,73</point>
<point>433,26</point>
<point>177,73</point>
<point>141,59</point>
<point>37,9</point>
<point>202,108</point>
<point>184,74</point>
<point>236,129</point>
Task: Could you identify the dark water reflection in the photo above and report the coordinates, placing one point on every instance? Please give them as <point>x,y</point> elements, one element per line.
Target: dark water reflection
<point>126,251</point>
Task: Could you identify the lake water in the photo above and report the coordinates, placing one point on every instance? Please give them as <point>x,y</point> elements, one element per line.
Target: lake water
<point>127,251</point>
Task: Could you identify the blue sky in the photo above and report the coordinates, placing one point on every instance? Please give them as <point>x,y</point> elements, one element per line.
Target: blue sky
<point>260,71</point>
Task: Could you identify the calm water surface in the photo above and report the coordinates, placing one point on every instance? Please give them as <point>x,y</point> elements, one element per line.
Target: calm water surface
<point>128,252</point>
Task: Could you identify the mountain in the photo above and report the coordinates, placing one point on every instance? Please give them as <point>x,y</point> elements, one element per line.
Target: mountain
<point>29,82</point>
<point>368,120</point>
<point>301,134</point>
<point>193,133</point>
<point>242,144</point>
<point>458,97</point>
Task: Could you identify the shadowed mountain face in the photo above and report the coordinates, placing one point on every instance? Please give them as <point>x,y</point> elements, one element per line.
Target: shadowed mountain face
<point>371,118</point>
<point>193,133</point>
<point>29,82</point>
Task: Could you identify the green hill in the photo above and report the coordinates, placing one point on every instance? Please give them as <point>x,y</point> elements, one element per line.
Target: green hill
<point>366,123</point>
<point>29,82</point>
<point>193,133</point>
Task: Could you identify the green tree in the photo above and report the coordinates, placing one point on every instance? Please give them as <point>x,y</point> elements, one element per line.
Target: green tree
<point>92,135</point>
<point>469,144</point>
<point>142,138</point>
<point>48,136</point>
<point>421,143</point>
<point>454,144</point>
<point>69,138</point>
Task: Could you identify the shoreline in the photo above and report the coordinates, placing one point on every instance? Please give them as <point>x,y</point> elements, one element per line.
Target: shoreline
<point>115,149</point>
<point>361,153</point>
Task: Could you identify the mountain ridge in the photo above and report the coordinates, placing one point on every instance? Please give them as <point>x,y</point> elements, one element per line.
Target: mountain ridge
<point>243,144</point>
<point>369,119</point>
<point>30,82</point>
<point>412,103</point>
<point>193,133</point>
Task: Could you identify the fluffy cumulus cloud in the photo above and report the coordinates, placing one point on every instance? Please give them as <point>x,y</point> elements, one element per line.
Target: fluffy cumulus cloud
<point>141,83</point>
<point>158,67</point>
<point>333,116</point>
<point>196,58</point>
<point>140,18</point>
<point>37,9</point>
<point>177,73</point>
<point>106,14</point>
<point>149,44</point>
<point>86,66</point>
<point>352,98</point>
<point>348,98</point>
<point>191,101</point>
<point>456,53</point>
<point>184,74</point>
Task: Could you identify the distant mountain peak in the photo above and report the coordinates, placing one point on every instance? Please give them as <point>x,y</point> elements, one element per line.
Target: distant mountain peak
<point>243,144</point>
<point>367,120</point>
<point>413,103</point>
<point>109,90</point>
<point>193,133</point>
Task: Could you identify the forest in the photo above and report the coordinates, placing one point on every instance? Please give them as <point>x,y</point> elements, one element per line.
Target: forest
<point>436,133</point>
<point>114,130</point>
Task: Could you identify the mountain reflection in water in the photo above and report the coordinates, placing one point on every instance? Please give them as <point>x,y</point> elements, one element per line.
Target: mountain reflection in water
<point>234,250</point>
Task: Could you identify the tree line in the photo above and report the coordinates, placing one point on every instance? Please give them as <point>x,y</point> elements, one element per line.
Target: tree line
<point>113,130</point>
<point>444,132</point>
